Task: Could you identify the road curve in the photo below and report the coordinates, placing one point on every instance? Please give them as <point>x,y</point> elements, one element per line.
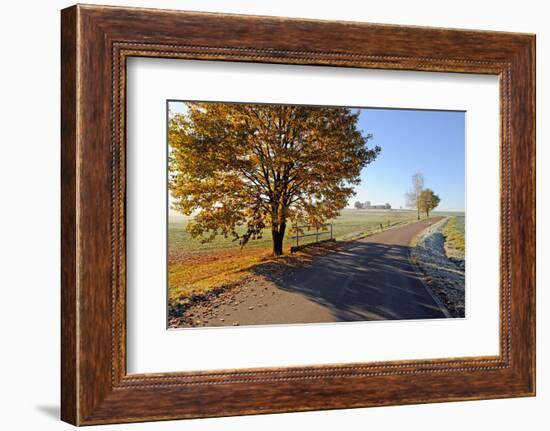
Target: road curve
<point>367,279</point>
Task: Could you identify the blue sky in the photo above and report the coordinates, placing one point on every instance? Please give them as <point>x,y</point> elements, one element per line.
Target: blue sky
<point>429,142</point>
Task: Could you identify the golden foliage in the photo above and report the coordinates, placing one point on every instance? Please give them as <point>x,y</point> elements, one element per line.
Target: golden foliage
<point>427,201</point>
<point>263,166</point>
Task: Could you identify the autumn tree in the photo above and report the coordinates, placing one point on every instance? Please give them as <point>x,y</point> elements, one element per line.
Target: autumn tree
<point>242,168</point>
<point>413,195</point>
<point>427,201</point>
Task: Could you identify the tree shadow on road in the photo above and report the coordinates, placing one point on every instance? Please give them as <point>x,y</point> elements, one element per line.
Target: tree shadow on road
<point>360,281</point>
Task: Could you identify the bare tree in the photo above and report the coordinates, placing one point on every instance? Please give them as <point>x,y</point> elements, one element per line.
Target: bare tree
<point>413,195</point>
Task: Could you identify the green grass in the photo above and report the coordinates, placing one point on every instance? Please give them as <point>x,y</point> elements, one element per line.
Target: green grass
<point>454,237</point>
<point>350,223</point>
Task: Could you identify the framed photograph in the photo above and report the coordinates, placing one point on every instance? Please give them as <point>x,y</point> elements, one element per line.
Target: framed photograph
<point>265,215</point>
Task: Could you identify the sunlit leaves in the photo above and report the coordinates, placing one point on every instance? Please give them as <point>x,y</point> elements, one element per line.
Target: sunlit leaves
<point>263,166</point>
<point>427,201</point>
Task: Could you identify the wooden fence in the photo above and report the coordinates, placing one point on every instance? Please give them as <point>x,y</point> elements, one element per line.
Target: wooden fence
<point>318,232</point>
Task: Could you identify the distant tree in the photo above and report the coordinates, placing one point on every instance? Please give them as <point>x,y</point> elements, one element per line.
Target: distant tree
<point>244,168</point>
<point>358,205</point>
<point>427,201</point>
<point>367,204</point>
<point>413,195</point>
<point>388,206</point>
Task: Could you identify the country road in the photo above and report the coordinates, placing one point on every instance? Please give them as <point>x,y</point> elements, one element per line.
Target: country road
<point>367,279</point>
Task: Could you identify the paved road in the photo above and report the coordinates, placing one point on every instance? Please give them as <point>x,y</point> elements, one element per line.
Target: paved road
<point>368,279</point>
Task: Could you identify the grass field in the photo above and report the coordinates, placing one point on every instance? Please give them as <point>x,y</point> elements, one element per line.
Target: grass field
<point>196,268</point>
<point>350,223</point>
<point>454,237</point>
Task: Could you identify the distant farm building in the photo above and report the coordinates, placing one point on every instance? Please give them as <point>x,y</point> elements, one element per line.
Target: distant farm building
<point>378,207</point>
<point>368,206</point>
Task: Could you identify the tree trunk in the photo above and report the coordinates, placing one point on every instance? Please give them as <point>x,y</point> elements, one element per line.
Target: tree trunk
<point>278,234</point>
<point>427,214</point>
<point>418,213</point>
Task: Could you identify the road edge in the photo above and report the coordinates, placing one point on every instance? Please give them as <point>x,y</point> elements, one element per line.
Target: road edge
<point>441,306</point>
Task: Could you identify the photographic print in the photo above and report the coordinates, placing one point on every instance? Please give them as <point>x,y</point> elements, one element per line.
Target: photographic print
<point>296,214</point>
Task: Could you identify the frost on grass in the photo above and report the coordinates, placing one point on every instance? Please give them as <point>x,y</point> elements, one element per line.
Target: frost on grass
<point>444,275</point>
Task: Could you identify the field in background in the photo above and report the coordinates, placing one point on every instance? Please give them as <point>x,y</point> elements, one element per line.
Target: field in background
<point>349,223</point>
<point>196,268</point>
